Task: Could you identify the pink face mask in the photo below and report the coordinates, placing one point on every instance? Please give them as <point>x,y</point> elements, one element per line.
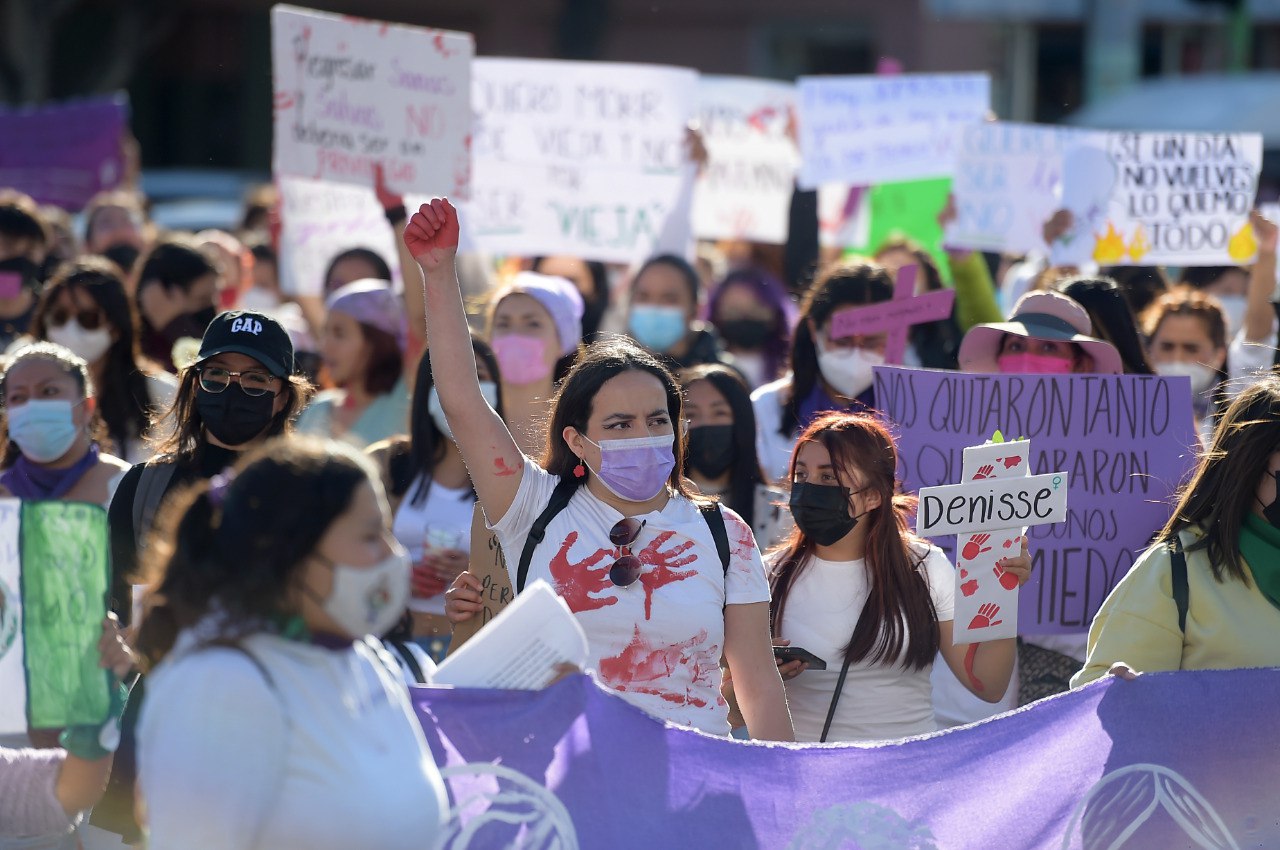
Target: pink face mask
<point>1027,363</point>
<point>521,359</point>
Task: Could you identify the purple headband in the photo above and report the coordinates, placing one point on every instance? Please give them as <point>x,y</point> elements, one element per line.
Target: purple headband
<point>558,297</point>
<point>371,302</point>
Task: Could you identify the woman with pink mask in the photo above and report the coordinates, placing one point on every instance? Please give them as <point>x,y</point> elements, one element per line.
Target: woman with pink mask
<point>535,327</point>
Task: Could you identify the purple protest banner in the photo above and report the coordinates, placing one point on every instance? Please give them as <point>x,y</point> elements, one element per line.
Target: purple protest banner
<point>65,153</point>
<point>895,316</point>
<point>1125,441</point>
<point>1169,760</point>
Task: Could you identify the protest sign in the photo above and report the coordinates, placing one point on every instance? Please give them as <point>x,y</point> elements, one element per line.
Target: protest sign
<point>745,190</point>
<point>1008,182</point>
<point>54,578</point>
<point>869,129</point>
<point>350,94</point>
<point>895,316</point>
<point>581,158</point>
<point>1125,442</point>
<point>1170,760</point>
<point>1156,199</point>
<point>488,564</point>
<point>862,220</point>
<point>982,505</point>
<point>64,153</point>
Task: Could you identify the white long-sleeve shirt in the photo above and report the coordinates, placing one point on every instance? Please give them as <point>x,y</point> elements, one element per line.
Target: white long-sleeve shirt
<point>326,754</point>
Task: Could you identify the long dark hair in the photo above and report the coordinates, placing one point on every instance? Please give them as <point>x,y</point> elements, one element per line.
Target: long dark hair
<point>856,283</point>
<point>937,343</point>
<point>381,271</point>
<point>772,293</point>
<point>597,363</point>
<point>426,444</point>
<point>240,551</point>
<point>124,401</point>
<point>899,615</point>
<point>175,262</point>
<point>744,473</point>
<point>185,437</point>
<point>1113,320</point>
<point>1223,488</point>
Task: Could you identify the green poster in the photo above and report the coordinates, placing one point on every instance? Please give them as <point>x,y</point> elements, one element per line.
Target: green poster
<point>908,209</point>
<point>65,575</point>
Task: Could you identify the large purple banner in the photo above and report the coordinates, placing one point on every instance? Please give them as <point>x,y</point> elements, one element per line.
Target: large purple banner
<point>1126,442</point>
<point>65,153</point>
<point>1171,760</point>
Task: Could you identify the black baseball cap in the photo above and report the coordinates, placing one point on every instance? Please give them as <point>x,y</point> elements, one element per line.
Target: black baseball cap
<point>253,334</point>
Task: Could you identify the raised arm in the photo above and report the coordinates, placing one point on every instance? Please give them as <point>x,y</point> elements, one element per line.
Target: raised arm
<point>492,456</point>
<point>393,208</point>
<point>1259,317</point>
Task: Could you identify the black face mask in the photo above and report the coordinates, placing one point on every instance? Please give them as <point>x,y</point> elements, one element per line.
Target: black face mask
<point>123,255</point>
<point>24,268</point>
<point>821,512</point>
<point>1271,512</point>
<point>233,416</point>
<point>745,333</point>
<point>711,449</point>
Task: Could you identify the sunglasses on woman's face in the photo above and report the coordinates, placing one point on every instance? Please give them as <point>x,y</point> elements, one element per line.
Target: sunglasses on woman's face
<point>626,569</point>
<point>87,319</point>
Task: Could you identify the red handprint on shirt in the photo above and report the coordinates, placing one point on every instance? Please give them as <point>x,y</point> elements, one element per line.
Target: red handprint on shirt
<point>976,546</point>
<point>664,566</point>
<point>576,582</point>
<point>742,542</point>
<point>984,471</point>
<point>984,618</point>
<point>643,668</point>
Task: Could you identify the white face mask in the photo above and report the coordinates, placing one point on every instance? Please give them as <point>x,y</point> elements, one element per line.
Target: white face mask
<point>1202,377</point>
<point>488,389</point>
<point>848,370</point>
<point>369,600</point>
<point>85,344</point>
<point>1233,306</point>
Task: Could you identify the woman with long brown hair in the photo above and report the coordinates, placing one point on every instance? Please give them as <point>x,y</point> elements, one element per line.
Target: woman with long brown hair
<point>857,589</point>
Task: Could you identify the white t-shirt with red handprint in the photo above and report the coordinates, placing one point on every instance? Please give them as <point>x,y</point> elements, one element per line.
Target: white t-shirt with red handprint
<point>658,642</point>
<point>879,701</point>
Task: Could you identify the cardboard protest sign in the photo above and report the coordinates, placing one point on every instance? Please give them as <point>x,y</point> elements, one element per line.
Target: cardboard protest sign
<point>1125,443</point>
<point>869,129</point>
<point>490,566</point>
<point>581,158</point>
<point>54,577</point>
<point>745,190</point>
<point>1008,182</point>
<point>352,93</point>
<point>1161,199</point>
<point>862,220</point>
<point>895,316</point>
<point>64,153</point>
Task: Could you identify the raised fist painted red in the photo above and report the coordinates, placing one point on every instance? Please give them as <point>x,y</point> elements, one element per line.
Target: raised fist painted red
<point>432,234</point>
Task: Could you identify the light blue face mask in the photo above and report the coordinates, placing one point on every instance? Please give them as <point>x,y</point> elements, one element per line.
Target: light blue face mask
<point>656,328</point>
<point>43,429</point>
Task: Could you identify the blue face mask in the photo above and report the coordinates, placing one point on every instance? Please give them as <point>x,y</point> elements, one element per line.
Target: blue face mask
<point>43,429</point>
<point>656,328</point>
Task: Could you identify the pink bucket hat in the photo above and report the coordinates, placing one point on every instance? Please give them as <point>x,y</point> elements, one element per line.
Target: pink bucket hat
<point>373,303</point>
<point>558,297</point>
<point>1042,315</point>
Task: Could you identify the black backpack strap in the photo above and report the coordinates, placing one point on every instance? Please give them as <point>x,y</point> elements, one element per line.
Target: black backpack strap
<point>152,486</point>
<point>560,497</point>
<point>835,700</point>
<point>715,522</point>
<point>1181,590</point>
<point>407,656</point>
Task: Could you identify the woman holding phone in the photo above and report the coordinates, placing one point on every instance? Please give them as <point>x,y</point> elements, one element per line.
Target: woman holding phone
<point>857,589</point>
<point>661,594</point>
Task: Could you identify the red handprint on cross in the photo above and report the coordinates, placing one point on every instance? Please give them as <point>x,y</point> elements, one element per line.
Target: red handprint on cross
<point>663,566</point>
<point>1010,462</point>
<point>984,471</point>
<point>1008,581</point>
<point>984,618</point>
<point>976,546</point>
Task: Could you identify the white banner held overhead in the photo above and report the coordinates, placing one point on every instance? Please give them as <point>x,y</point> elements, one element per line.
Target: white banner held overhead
<point>869,129</point>
<point>581,158</point>
<point>351,94</point>
<point>745,190</point>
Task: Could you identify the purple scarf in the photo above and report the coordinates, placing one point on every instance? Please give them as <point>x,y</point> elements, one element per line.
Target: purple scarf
<point>28,480</point>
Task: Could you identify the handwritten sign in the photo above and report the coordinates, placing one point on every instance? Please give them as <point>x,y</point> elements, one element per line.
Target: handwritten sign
<point>861,219</point>
<point>490,566</point>
<point>1125,442</point>
<point>352,93</point>
<point>745,190</point>
<point>54,577</point>
<point>982,505</point>
<point>895,316</point>
<point>582,158</point>
<point>1008,182</point>
<point>63,154</point>
<point>1162,198</point>
<point>872,129</point>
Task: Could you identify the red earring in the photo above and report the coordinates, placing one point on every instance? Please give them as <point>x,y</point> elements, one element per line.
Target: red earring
<point>579,471</point>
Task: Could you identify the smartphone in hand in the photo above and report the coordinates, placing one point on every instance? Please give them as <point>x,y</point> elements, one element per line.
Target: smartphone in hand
<point>795,653</point>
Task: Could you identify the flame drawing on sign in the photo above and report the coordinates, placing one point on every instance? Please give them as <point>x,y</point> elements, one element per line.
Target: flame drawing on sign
<point>1243,245</point>
<point>1139,247</point>
<point>1109,247</point>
